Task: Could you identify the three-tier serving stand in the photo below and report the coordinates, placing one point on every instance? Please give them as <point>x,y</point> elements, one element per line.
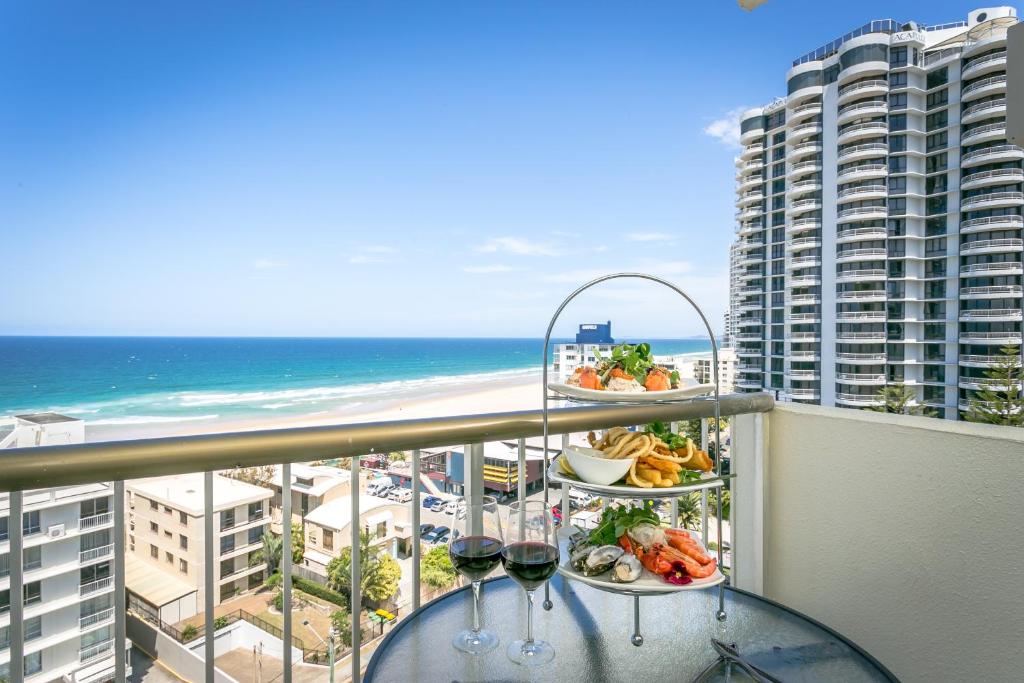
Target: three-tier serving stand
<point>716,481</point>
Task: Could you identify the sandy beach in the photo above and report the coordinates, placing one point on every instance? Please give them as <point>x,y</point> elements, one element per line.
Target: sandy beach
<point>521,392</point>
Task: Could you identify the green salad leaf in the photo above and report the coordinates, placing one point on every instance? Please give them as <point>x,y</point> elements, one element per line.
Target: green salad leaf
<point>618,519</point>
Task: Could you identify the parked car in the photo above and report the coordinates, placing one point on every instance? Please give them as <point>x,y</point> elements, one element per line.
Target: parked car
<point>438,506</point>
<point>450,507</point>
<point>379,490</point>
<point>579,499</point>
<point>428,501</point>
<point>425,529</point>
<point>437,534</point>
<point>400,495</point>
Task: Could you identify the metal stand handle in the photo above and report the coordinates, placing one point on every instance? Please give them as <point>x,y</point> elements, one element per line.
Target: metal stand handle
<point>636,638</point>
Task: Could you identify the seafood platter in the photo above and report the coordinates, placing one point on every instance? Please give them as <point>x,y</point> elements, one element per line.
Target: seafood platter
<point>628,375</point>
<point>630,552</point>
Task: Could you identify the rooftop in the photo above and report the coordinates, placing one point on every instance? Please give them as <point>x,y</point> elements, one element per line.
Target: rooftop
<point>46,418</point>
<point>185,492</point>
<point>337,514</point>
<point>324,478</point>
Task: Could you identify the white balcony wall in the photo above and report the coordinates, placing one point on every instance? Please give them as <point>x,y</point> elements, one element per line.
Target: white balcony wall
<point>902,533</point>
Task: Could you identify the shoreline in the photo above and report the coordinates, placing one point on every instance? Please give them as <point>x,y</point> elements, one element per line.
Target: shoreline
<point>522,392</point>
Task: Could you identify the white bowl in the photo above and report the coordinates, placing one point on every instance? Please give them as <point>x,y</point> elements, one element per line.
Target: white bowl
<point>592,467</point>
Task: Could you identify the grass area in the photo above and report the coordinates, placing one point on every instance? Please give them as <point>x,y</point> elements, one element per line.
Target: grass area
<point>305,607</point>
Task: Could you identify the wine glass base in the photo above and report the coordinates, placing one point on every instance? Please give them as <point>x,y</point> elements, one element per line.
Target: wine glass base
<point>475,643</point>
<point>531,654</point>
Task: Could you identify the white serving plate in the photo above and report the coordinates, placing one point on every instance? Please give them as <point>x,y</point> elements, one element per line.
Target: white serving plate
<point>596,396</point>
<point>708,480</point>
<point>647,584</point>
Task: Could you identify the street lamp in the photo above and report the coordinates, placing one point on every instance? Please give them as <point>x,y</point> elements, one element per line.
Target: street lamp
<point>332,638</point>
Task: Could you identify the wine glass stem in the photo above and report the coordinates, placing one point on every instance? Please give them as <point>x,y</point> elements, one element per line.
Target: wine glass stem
<point>529,617</point>
<point>476,607</point>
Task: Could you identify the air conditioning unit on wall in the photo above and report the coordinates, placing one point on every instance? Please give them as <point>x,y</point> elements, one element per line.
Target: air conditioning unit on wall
<point>55,531</point>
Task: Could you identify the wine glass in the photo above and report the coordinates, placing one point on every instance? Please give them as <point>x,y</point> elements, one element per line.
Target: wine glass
<point>475,550</point>
<point>530,557</point>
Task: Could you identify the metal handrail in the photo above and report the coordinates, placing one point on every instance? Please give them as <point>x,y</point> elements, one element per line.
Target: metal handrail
<point>48,466</point>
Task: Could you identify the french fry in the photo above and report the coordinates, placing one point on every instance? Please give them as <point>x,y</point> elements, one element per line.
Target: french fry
<point>664,483</point>
<point>648,474</point>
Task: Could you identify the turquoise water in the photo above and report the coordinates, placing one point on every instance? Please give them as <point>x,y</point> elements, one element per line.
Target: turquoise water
<point>150,380</point>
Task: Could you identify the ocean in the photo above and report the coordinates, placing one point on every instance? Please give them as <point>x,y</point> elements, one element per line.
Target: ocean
<point>153,380</point>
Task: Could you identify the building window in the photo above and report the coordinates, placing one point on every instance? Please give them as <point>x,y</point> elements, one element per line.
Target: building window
<point>154,552</point>
<point>96,506</point>
<point>167,509</point>
<point>227,519</point>
<point>30,523</point>
<point>897,143</point>
<point>937,78</point>
<point>898,80</point>
<point>939,119</point>
<point>183,541</point>
<point>183,566</point>
<point>254,534</point>
<point>898,122</point>
<point>936,141</point>
<point>183,518</point>
<point>153,505</point>
<point>154,528</point>
<point>255,511</point>
<point>168,534</point>
<point>169,558</point>
<point>897,164</point>
<point>897,57</point>
<point>328,539</point>
<point>939,162</point>
<point>898,101</point>
<point>938,99</point>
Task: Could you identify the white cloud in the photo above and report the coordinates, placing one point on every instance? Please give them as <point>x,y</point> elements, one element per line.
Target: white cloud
<point>517,246</point>
<point>726,129</point>
<point>373,253</point>
<point>649,237</point>
<point>565,233</point>
<point>364,258</point>
<point>493,268</point>
<point>268,264</point>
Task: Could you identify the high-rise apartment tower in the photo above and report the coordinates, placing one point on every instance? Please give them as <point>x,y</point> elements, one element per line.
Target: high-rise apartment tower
<point>879,218</point>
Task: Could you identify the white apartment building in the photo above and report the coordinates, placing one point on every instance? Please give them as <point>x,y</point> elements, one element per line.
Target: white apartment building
<point>729,317</point>
<point>311,487</point>
<point>328,528</point>
<point>727,362</point>
<point>68,567</point>
<point>591,339</point>
<point>165,559</point>
<point>879,218</point>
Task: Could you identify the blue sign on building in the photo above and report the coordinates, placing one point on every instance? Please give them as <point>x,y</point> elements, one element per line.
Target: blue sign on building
<point>595,333</point>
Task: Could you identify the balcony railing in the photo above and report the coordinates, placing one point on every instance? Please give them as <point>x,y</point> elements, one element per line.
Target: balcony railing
<point>95,586</point>
<point>93,521</point>
<point>94,652</point>
<point>808,563</point>
<point>96,553</point>
<point>96,618</point>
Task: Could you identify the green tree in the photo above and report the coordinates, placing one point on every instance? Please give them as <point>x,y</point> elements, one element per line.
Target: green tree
<point>396,456</point>
<point>273,546</point>
<point>436,568</point>
<point>689,510</point>
<point>379,573</point>
<point>1000,403</point>
<point>341,621</point>
<point>260,475</point>
<point>713,504</point>
<point>899,399</point>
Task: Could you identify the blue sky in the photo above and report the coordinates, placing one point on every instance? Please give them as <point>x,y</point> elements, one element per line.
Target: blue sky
<point>405,169</point>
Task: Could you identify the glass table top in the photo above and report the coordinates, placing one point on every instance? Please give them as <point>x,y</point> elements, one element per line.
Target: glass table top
<point>590,631</point>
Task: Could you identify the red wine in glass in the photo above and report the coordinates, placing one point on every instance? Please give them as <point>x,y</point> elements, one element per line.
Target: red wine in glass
<point>475,556</point>
<point>530,563</point>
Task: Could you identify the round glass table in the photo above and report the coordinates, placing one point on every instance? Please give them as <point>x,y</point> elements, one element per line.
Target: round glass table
<point>590,631</point>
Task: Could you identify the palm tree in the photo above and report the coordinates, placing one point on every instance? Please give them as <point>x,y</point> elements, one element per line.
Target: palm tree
<point>270,553</point>
<point>896,398</point>
<point>688,508</point>
<point>1002,401</point>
